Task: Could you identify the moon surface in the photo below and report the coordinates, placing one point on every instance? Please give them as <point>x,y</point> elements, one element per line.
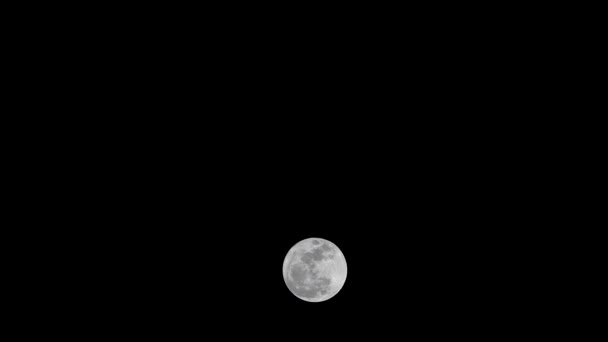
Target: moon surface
<point>325,270</point>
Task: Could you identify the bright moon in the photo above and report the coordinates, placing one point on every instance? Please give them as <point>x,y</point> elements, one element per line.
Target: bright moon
<point>314,270</point>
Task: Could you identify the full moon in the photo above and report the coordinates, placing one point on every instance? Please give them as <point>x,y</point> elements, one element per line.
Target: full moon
<point>314,270</point>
